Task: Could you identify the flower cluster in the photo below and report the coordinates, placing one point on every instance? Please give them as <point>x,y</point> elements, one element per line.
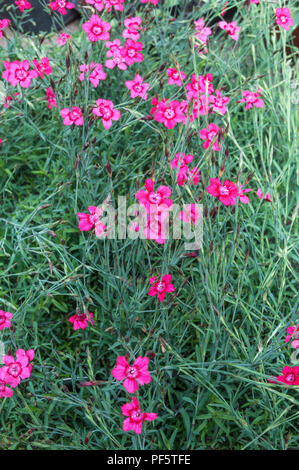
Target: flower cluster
<point>202,33</point>
<point>133,376</point>
<point>290,376</point>
<point>184,174</point>
<point>15,370</point>
<point>62,6</point>
<point>156,205</point>
<point>23,4</point>
<point>93,72</point>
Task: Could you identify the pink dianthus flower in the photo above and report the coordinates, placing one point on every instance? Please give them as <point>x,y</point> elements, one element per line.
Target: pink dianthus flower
<point>161,287</point>
<point>132,375</point>
<point>135,417</point>
<point>96,29</point>
<point>105,110</point>
<point>227,192</point>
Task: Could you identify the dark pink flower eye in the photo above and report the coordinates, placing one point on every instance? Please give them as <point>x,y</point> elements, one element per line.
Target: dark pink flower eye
<point>290,378</point>
<point>223,190</point>
<point>160,287</point>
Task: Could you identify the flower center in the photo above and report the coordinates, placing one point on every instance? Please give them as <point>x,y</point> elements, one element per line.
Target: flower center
<point>132,372</point>
<point>283,19</point>
<point>290,378</point>
<point>155,198</point>
<point>97,30</point>
<point>223,191</point>
<point>169,113</point>
<point>131,52</point>
<point>161,286</point>
<point>81,317</point>
<point>21,74</point>
<point>15,369</point>
<point>137,88</point>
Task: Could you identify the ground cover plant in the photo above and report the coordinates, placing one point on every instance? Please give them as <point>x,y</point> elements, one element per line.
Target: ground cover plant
<point>123,343</point>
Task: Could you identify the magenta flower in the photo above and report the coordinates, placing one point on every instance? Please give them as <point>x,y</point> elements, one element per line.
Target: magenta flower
<point>93,219</point>
<point>5,318</point>
<point>175,77</point>
<point>96,29</point>
<point>19,73</point>
<point>3,24</point>
<point>94,73</point>
<point>43,67</point>
<point>73,116</point>
<point>131,52</point>
<point>116,55</point>
<point>255,1</point>
<point>227,192</point>
<point>117,4</point>
<point>80,321</point>
<point>98,4</point>
<point>261,196</point>
<point>200,85</point>
<point>160,287</point>
<point>133,26</point>
<point>155,224</point>
<point>242,196</point>
<point>181,159</point>
<point>290,376</point>
<point>63,38</point>
<point>252,98</point>
<point>8,100</point>
<point>23,4</point>
<point>192,214</point>
<point>231,28</point>
<point>62,6</point>
<point>18,369</point>
<point>283,18</point>
<point>219,102</point>
<point>5,391</point>
<point>51,98</point>
<point>133,375</point>
<point>202,32</point>
<point>169,114</point>
<point>293,334</point>
<point>105,110</point>
<point>210,135</point>
<point>224,8</point>
<point>137,87</point>
<point>200,108</point>
<point>132,410</point>
<point>150,199</point>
